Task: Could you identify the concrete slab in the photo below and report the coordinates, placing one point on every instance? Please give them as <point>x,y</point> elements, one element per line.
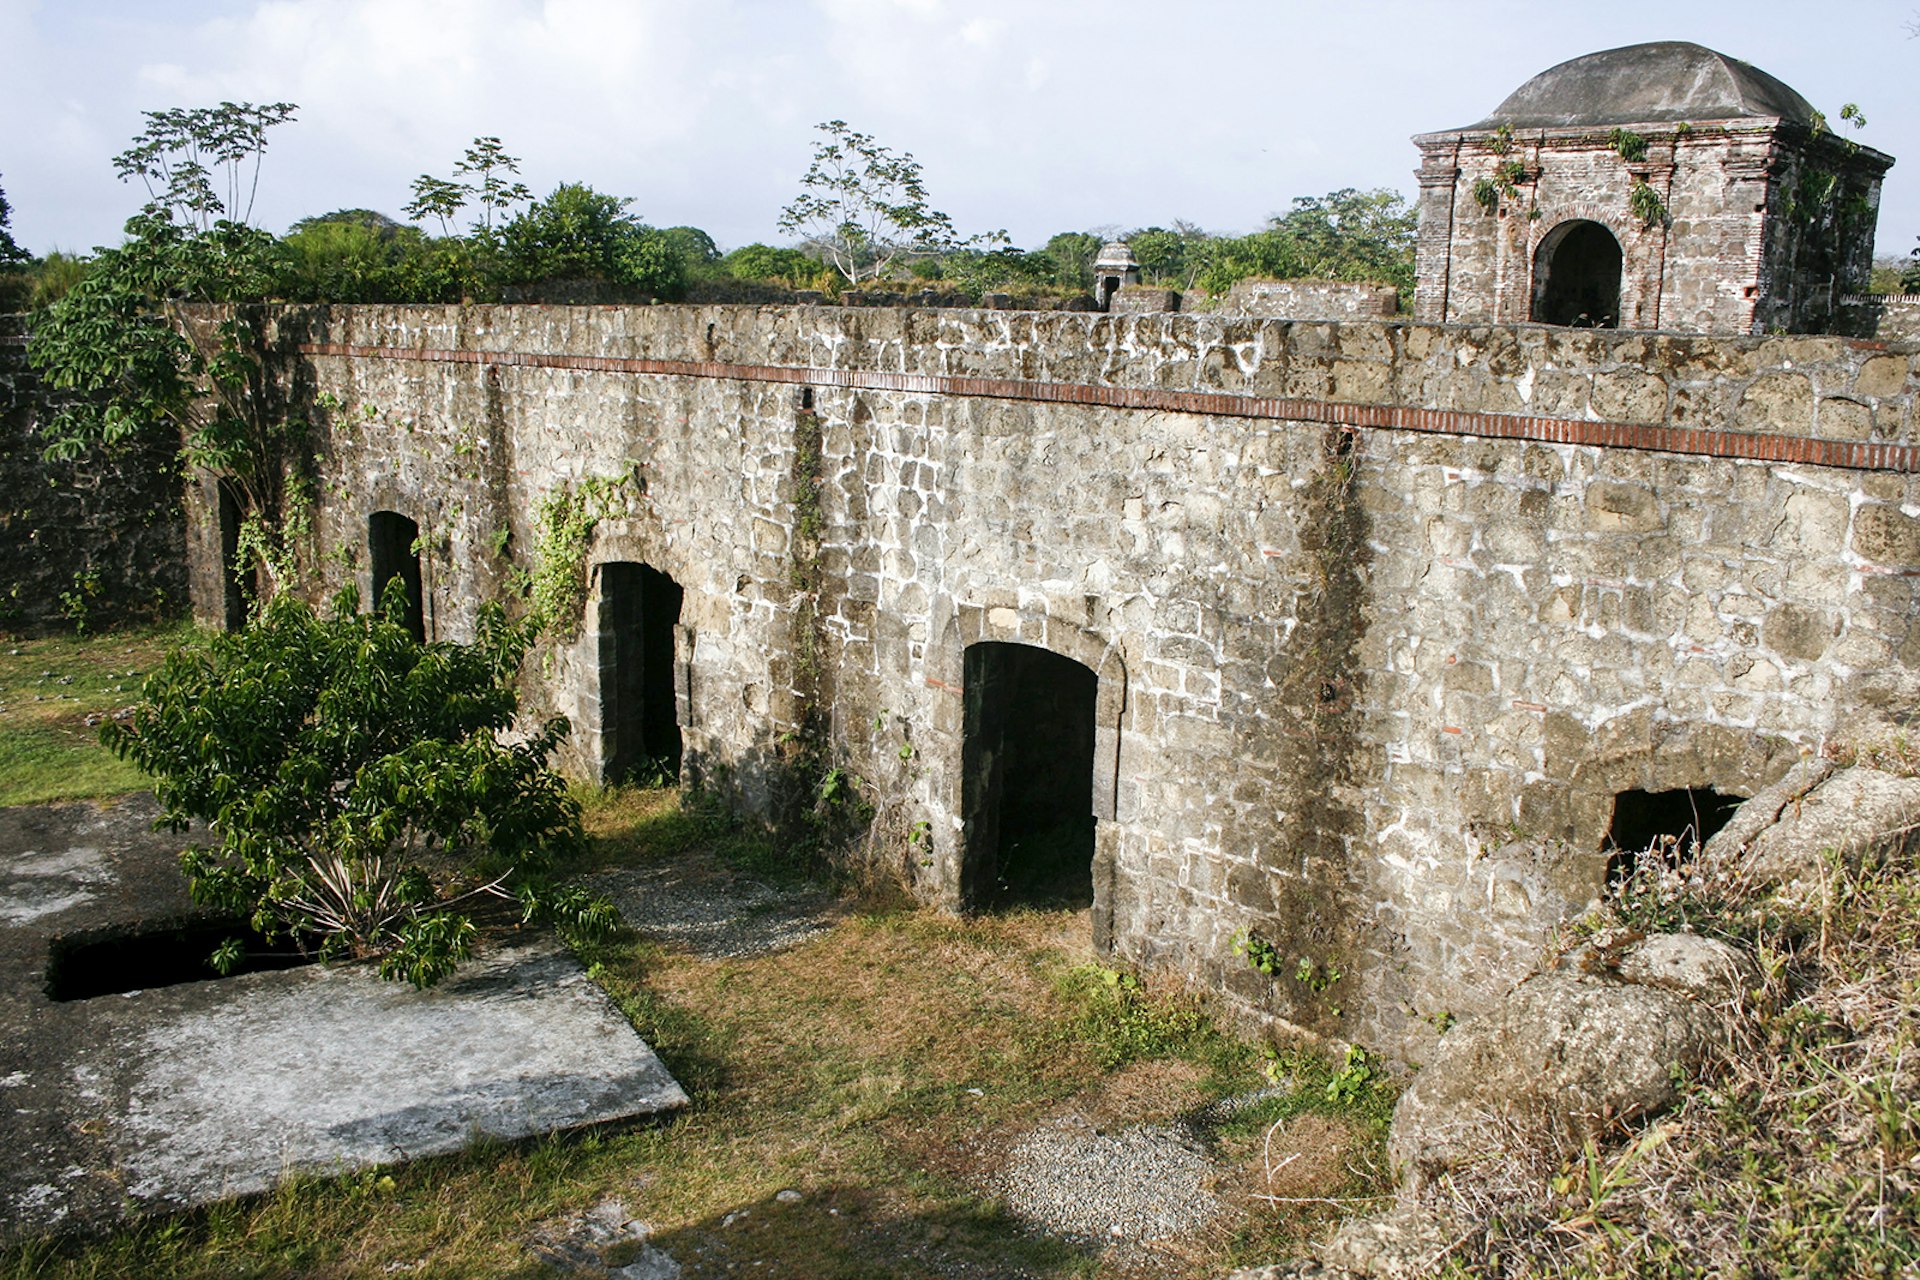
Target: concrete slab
<point>162,1099</point>
<point>230,1084</point>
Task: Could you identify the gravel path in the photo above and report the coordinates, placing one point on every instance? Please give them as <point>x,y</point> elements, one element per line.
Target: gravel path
<point>1147,1182</point>
<point>714,915</point>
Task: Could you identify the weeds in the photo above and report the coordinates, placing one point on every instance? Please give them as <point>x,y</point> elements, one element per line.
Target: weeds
<point>1122,1022</point>
<point>1798,1155</point>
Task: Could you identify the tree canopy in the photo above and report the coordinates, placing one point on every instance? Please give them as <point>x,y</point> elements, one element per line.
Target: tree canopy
<point>11,254</point>
<point>577,233</point>
<point>864,206</point>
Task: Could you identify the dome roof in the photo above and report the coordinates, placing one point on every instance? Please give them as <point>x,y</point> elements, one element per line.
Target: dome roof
<point>1116,253</point>
<point>1648,83</point>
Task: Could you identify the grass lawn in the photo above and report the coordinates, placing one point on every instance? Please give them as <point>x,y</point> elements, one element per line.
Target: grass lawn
<point>881,1070</point>
<point>49,688</point>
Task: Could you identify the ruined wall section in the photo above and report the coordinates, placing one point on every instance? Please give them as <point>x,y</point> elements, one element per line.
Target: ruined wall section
<point>97,540</point>
<point>1374,674</point>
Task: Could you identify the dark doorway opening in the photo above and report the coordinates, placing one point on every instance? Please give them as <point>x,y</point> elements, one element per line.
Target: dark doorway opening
<point>1027,782</point>
<point>639,724</point>
<point>1576,277</point>
<point>393,543</point>
<point>236,586</point>
<point>1669,825</point>
<point>104,962</point>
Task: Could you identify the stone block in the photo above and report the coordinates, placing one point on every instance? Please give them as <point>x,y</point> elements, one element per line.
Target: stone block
<point>1614,507</point>
<point>1629,395</point>
<point>1780,402</point>
<point>1883,376</point>
<point>1885,536</point>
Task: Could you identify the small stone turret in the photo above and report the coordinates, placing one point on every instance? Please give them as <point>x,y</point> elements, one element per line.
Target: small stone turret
<point>1113,270</point>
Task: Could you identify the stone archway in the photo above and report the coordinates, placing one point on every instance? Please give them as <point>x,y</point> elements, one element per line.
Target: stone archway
<point>1028,752</point>
<point>639,724</point>
<point>393,548</point>
<point>1576,276</point>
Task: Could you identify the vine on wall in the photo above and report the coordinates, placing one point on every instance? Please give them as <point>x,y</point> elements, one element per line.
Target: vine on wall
<point>564,521</point>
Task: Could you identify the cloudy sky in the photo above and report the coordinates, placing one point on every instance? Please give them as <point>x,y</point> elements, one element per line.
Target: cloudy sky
<point>1033,115</point>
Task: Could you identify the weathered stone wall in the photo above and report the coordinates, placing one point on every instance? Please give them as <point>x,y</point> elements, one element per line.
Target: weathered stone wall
<point>1383,614</point>
<point>1311,300</point>
<point>98,539</point>
<point>1888,317</point>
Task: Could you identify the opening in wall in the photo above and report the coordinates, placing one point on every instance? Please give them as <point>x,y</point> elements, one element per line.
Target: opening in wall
<point>1027,780</point>
<point>639,725</point>
<point>1576,277</point>
<point>236,584</point>
<point>393,546</point>
<point>1669,825</point>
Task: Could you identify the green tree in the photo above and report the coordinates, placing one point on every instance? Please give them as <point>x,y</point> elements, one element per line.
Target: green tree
<point>16,286</point>
<point>350,255</point>
<point>481,179</point>
<point>11,254</point>
<point>694,247</point>
<point>976,271</point>
<point>1072,254</point>
<point>863,206</point>
<point>1362,236</point>
<point>116,337</point>
<point>577,233</point>
<point>355,781</point>
<point>1910,278</point>
<point>764,262</point>
<point>119,340</point>
<point>1168,256</point>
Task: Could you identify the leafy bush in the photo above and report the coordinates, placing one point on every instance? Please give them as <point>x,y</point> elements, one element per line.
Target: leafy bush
<point>1345,235</point>
<point>577,233</point>
<point>354,255</point>
<point>764,262</point>
<point>356,781</point>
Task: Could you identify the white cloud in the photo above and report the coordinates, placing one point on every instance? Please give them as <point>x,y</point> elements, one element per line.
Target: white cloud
<point>1032,114</point>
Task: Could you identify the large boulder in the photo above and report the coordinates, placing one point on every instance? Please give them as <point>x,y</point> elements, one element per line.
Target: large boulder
<point>1603,1037</point>
<point>1860,815</point>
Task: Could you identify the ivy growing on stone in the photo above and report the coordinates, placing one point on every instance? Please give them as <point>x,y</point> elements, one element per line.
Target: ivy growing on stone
<point>564,522</point>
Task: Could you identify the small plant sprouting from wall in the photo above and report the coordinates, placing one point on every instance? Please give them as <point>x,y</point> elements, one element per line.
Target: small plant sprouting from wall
<point>1631,146</point>
<point>1260,954</point>
<point>1507,177</point>
<point>76,602</point>
<point>1646,204</point>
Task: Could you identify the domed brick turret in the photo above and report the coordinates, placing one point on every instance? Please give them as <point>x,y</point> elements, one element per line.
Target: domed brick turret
<point>1657,186</point>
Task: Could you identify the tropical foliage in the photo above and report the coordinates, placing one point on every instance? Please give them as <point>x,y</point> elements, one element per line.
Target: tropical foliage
<point>355,781</point>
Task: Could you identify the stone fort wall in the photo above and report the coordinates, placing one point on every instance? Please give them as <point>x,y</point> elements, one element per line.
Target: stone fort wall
<point>93,540</point>
<point>1383,614</point>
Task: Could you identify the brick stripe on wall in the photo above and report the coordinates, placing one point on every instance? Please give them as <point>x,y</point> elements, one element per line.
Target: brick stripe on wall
<point>1853,455</point>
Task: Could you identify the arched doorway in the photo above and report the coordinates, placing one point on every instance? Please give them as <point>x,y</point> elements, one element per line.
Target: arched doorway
<point>1027,777</point>
<point>235,582</point>
<point>639,724</point>
<point>1576,277</point>
<point>393,546</point>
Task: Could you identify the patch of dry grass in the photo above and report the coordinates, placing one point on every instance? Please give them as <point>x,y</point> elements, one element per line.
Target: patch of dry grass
<point>1799,1155</point>
<point>877,1070</point>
